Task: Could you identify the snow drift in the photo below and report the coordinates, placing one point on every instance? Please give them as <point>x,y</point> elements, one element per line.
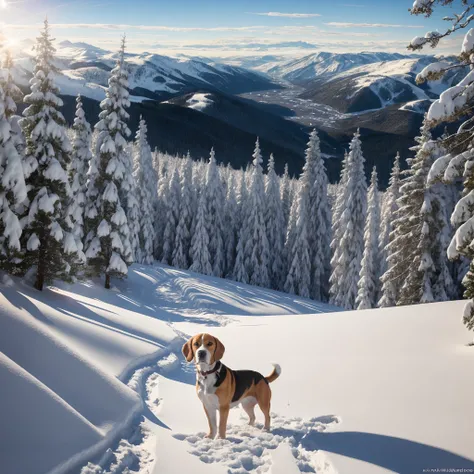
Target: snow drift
<point>361,392</point>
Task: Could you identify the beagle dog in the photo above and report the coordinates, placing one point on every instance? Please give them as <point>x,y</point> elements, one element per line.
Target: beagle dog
<point>220,388</point>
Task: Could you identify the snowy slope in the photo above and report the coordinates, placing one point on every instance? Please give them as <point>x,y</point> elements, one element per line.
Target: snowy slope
<point>85,69</point>
<point>392,377</point>
<point>360,392</point>
<point>379,85</point>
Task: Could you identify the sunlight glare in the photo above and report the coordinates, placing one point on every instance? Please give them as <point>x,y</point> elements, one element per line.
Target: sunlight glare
<point>3,4</point>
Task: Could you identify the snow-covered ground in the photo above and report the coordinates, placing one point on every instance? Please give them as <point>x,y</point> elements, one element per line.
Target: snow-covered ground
<point>83,369</point>
<point>199,101</point>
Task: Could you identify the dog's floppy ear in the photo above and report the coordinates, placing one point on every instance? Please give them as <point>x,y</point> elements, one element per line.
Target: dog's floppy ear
<point>188,350</point>
<point>220,349</point>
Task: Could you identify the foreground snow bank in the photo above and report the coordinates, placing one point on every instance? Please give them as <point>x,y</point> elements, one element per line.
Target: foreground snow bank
<point>63,356</point>
<point>399,379</point>
<point>68,353</point>
<point>361,392</point>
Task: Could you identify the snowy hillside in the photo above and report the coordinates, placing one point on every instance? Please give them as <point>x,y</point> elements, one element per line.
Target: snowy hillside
<point>378,85</point>
<point>85,69</point>
<point>84,369</point>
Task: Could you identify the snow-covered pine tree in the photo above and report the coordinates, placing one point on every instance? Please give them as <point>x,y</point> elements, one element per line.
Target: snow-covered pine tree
<point>240,272</point>
<point>298,278</point>
<point>415,266</point>
<point>12,180</point>
<point>390,252</point>
<point>346,262</point>
<point>337,209</point>
<point>389,211</point>
<point>256,247</point>
<point>215,200</point>
<point>285,195</point>
<point>436,232</point>
<point>172,216</point>
<point>445,286</point>
<point>201,260</point>
<point>318,220</point>
<point>453,104</point>
<point>146,185</point>
<point>108,248</point>
<point>368,287</point>
<point>182,246</point>
<point>164,176</point>
<point>129,197</point>
<point>47,241</point>
<point>78,168</point>
<point>231,216</point>
<point>275,225</point>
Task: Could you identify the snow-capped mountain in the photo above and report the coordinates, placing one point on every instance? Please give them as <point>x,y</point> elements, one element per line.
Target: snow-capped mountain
<point>323,64</point>
<point>85,69</point>
<point>380,84</point>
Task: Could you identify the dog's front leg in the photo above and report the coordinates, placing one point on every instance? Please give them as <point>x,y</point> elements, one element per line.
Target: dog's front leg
<point>223,415</point>
<point>212,420</point>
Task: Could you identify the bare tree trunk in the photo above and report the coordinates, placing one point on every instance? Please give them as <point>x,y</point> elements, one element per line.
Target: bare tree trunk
<point>107,281</point>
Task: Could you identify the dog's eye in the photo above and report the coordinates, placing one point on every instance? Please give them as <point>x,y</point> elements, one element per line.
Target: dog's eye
<point>196,344</point>
<point>209,344</point>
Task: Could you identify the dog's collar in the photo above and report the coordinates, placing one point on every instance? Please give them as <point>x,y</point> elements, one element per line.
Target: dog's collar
<point>209,372</point>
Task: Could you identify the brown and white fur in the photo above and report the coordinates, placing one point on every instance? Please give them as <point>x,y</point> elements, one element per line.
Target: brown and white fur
<point>220,388</point>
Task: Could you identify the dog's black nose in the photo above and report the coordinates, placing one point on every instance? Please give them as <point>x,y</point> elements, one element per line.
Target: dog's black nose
<point>202,354</point>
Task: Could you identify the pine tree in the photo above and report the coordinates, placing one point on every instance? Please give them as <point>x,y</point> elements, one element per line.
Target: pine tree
<point>389,210</point>
<point>389,290</point>
<point>415,266</point>
<point>298,279</point>
<point>285,195</point>
<point>81,157</point>
<point>368,293</point>
<point>231,226</point>
<point>315,181</point>
<point>346,262</point>
<point>436,232</point>
<point>46,239</point>
<point>108,248</point>
<point>172,217</point>
<point>256,246</point>
<point>161,209</point>
<point>275,225</point>
<point>240,272</point>
<point>146,185</point>
<point>183,231</point>
<point>129,197</point>
<point>200,242</point>
<point>215,199</point>
<point>12,180</point>
<point>445,286</point>
<point>337,224</point>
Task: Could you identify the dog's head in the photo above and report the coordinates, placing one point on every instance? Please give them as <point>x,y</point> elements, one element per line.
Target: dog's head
<point>204,349</point>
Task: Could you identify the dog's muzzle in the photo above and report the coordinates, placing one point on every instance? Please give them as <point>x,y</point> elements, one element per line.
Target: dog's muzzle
<point>201,355</point>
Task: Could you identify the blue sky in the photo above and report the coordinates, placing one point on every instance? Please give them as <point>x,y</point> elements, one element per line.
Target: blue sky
<point>226,27</point>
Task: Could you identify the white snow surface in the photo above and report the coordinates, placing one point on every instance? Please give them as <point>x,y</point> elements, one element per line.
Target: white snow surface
<point>83,369</point>
<point>199,101</point>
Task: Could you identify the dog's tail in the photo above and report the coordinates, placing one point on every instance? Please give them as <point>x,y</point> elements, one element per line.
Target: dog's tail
<point>275,374</point>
